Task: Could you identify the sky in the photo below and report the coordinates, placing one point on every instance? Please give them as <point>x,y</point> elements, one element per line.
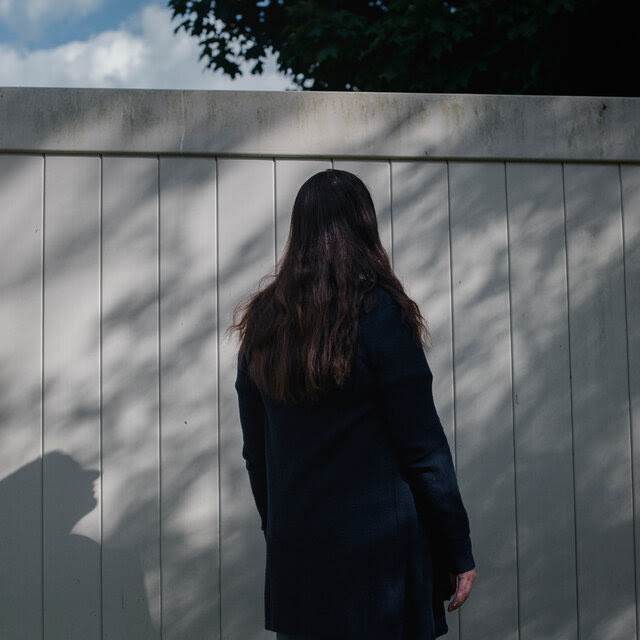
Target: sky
<point>108,44</point>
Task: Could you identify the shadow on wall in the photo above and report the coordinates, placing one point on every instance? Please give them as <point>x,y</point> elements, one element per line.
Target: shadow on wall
<point>73,572</point>
<point>484,437</point>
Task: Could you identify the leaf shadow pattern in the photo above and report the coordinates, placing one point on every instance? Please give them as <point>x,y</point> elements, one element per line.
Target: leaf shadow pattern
<point>170,443</point>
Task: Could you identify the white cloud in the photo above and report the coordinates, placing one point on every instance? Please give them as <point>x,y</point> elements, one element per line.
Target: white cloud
<point>143,54</point>
<point>30,15</point>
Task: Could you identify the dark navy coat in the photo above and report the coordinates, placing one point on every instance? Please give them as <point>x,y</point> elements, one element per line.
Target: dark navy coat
<point>358,496</point>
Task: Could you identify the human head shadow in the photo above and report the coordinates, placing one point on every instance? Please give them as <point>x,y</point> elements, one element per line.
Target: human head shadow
<point>53,577</point>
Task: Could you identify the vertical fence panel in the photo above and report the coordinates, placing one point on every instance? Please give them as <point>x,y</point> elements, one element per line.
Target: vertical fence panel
<point>421,250</point>
<point>130,438</point>
<point>71,398</point>
<point>604,516</point>
<point>484,430</point>
<point>377,178</point>
<point>246,253</point>
<point>630,176</point>
<point>421,260</point>
<point>188,400</point>
<point>20,397</point>
<point>290,176</point>
<point>542,403</point>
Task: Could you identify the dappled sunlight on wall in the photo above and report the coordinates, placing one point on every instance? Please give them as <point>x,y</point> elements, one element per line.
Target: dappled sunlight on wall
<point>161,211</point>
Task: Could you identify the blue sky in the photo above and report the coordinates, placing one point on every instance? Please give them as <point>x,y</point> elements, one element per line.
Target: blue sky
<point>107,43</point>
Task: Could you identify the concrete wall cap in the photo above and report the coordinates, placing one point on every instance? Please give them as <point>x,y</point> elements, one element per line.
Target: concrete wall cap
<point>320,124</point>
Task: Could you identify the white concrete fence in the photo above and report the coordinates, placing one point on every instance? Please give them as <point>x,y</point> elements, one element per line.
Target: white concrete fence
<point>131,222</point>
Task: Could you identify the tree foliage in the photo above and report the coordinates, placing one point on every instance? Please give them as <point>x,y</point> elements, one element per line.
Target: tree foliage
<point>573,47</point>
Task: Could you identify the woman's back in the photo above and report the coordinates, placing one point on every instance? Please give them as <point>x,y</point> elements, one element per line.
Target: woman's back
<point>346,550</point>
<point>335,446</point>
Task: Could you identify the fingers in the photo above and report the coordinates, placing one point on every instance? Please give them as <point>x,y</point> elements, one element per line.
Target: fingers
<point>453,603</point>
<point>465,583</point>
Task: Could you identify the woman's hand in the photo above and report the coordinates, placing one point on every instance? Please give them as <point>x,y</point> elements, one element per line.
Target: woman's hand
<point>462,583</point>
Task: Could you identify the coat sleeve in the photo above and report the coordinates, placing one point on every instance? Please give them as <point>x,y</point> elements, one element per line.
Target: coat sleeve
<point>253,449</point>
<point>404,385</point>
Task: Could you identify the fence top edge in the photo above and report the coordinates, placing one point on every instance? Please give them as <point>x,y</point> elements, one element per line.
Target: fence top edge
<point>320,124</point>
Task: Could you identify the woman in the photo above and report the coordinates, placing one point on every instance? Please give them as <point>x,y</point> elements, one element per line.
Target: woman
<point>349,466</point>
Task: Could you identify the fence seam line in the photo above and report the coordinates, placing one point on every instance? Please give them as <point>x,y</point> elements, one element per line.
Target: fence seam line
<point>513,408</point>
<point>573,448</point>
<point>630,414</point>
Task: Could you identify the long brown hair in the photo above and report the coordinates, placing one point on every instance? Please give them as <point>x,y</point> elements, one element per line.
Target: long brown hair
<point>299,332</point>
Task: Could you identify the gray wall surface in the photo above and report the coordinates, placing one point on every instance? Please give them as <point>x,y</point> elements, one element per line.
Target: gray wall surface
<point>132,222</point>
